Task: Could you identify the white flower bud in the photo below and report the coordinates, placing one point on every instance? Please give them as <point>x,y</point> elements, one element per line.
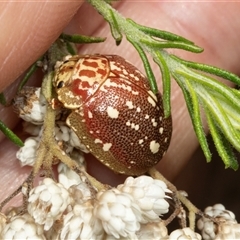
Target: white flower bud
<point>31,105</point>
<point>111,237</point>
<point>67,177</point>
<point>62,132</point>
<point>183,234</point>
<point>75,142</point>
<point>153,231</point>
<point>149,194</point>
<point>207,226</point>
<point>228,230</point>
<point>47,202</point>
<point>81,224</point>
<point>3,220</point>
<point>78,156</point>
<point>67,135</point>
<point>23,227</point>
<point>117,212</point>
<point>81,193</point>
<point>219,211</point>
<point>27,153</point>
<point>34,130</point>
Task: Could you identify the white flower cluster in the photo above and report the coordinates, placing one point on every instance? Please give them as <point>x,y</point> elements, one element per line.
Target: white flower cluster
<point>226,228</point>
<point>72,209</point>
<point>130,211</point>
<point>118,212</point>
<point>22,227</point>
<point>31,106</point>
<point>183,234</point>
<point>47,202</point>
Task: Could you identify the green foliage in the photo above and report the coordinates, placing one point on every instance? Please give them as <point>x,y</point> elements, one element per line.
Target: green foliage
<point>12,136</point>
<point>202,92</point>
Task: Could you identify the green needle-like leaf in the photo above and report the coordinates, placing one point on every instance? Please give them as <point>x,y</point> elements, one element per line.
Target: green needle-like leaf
<point>160,33</point>
<point>76,38</point>
<point>195,114</point>
<point>210,69</point>
<point>70,48</point>
<point>9,134</point>
<point>116,32</point>
<point>147,66</point>
<point>212,85</point>
<point>3,99</point>
<point>222,120</point>
<point>178,45</point>
<point>166,78</point>
<point>27,76</point>
<point>222,145</point>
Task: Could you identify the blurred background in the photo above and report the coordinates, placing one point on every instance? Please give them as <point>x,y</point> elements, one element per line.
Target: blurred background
<point>210,183</point>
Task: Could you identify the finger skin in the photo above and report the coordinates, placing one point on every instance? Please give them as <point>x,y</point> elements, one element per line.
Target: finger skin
<point>215,27</point>
<point>29,29</point>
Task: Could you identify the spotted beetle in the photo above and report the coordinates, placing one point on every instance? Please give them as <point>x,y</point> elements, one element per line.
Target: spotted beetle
<point>113,111</point>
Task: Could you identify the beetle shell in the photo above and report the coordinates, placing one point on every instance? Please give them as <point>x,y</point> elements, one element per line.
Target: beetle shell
<point>114,112</point>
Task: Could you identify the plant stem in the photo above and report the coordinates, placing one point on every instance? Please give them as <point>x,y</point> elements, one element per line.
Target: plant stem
<point>193,210</point>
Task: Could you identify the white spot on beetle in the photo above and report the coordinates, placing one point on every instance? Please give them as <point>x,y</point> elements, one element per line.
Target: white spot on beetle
<point>129,104</point>
<point>110,83</point>
<point>146,116</point>
<point>134,126</point>
<point>154,122</point>
<point>73,128</point>
<point>140,73</point>
<point>152,95</point>
<point>135,92</point>
<point>151,101</point>
<point>106,146</point>
<point>161,130</point>
<point>128,123</point>
<point>132,162</point>
<point>113,66</point>
<point>154,146</point>
<point>165,140</point>
<point>132,75</point>
<point>138,109</point>
<point>90,114</point>
<point>121,75</point>
<point>105,163</point>
<point>97,140</point>
<point>140,141</point>
<point>112,112</point>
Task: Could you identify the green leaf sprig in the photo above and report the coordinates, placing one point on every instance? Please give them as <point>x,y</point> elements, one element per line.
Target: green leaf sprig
<point>10,134</point>
<point>201,90</point>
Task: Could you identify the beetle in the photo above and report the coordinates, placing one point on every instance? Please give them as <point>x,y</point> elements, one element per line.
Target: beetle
<point>113,111</point>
